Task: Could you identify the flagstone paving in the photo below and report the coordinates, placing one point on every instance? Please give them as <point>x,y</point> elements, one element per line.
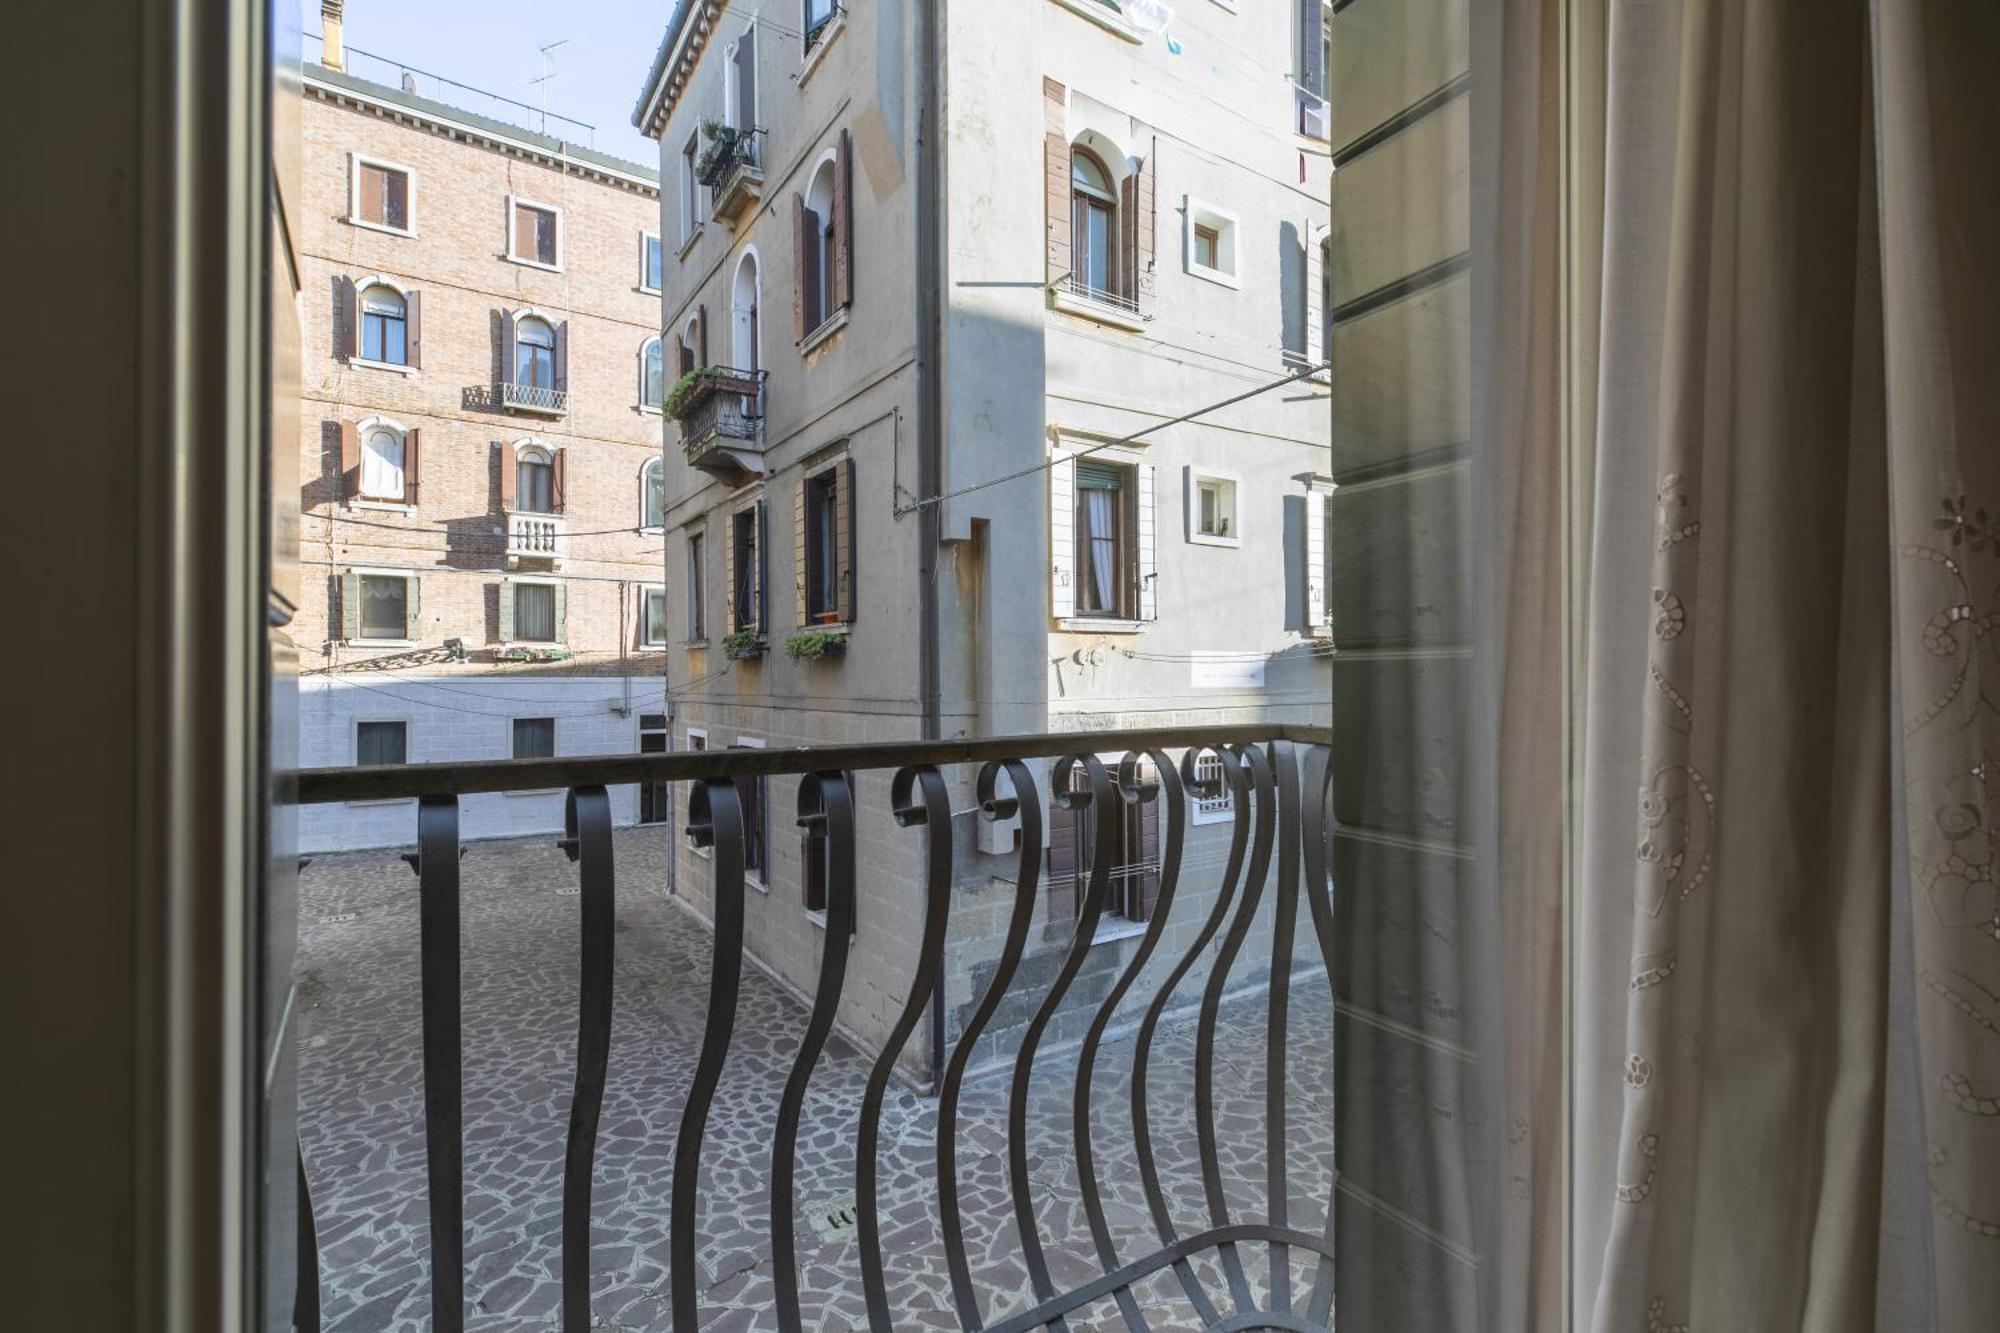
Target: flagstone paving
<point>362,1123</point>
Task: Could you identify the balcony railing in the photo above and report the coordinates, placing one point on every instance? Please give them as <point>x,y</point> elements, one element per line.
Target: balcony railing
<point>733,170</point>
<point>722,420</point>
<point>542,537</point>
<point>1074,289</point>
<point>1278,778</point>
<point>534,398</point>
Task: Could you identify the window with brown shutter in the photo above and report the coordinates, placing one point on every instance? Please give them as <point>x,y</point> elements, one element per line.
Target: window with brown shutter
<point>412,465</point>
<point>534,233</point>
<point>843,223</point>
<point>1055,172</point>
<point>384,195</point>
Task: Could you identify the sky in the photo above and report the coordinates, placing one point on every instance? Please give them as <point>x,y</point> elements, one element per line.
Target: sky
<point>494,45</point>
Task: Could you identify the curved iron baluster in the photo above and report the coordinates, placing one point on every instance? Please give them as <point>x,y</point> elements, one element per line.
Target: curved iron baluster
<point>1132,792</point>
<point>1026,803</point>
<point>715,819</point>
<point>1260,785</point>
<point>1097,797</point>
<point>826,812</point>
<point>587,840</point>
<point>1238,782</point>
<point>1284,927</point>
<point>305,1287</point>
<point>933,815</point>
<point>1318,797</point>
<point>444,1062</point>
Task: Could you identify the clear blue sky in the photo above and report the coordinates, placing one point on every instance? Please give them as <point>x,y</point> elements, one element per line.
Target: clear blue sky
<point>494,45</point>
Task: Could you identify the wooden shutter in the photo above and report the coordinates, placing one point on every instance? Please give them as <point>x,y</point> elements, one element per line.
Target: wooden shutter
<point>558,488</point>
<point>1316,589</point>
<point>729,625</point>
<point>701,335</point>
<point>350,606</point>
<point>803,253</point>
<point>746,80</point>
<point>562,612</point>
<point>760,600</point>
<point>1142,888</point>
<point>347,302</point>
<point>1062,537</point>
<point>506,612</point>
<point>413,330</point>
<point>1135,222</point>
<point>1145,570</point>
<point>412,465</point>
<point>506,375</point>
<point>843,223</point>
<point>843,541</point>
<point>1064,896</point>
<point>1055,170</point>
<point>799,546</point>
<point>1315,299</point>
<point>562,356</point>
<point>413,604</point>
<point>350,461</point>
<point>509,470</point>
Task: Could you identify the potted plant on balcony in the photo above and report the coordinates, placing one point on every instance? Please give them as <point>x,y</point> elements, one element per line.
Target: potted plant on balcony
<point>716,160</point>
<point>743,645</point>
<point>694,388</point>
<point>813,644</point>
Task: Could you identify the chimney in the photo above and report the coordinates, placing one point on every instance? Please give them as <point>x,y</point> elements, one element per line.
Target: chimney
<point>331,54</point>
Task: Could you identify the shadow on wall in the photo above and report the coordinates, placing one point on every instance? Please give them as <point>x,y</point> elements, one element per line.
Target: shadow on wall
<point>324,488</point>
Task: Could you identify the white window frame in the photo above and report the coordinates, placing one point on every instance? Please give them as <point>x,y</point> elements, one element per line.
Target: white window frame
<point>758,879</point>
<point>409,756</point>
<point>811,55</point>
<point>1319,501</point>
<point>507,586</point>
<point>518,201</point>
<point>362,430</point>
<point>1195,477</point>
<point>1227,226</point>
<point>1074,445</point>
<point>360,294</point>
<point>697,587</point>
<point>644,471</point>
<point>1217,809</point>
<point>729,97</point>
<point>829,312</point>
<point>355,161</point>
<point>690,193</point>
<point>646,591</point>
<point>653,409</point>
<point>371,572</point>
<point>654,238</point>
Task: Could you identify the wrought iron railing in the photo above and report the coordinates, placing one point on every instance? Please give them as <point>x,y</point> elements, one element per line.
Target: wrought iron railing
<point>1278,779</point>
<point>726,405</point>
<point>1077,287</point>
<point>733,150</point>
<point>534,397</point>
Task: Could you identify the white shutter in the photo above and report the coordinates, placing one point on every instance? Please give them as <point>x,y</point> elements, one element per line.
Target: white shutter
<point>1316,589</point>
<point>1315,306</point>
<point>1062,537</point>
<point>1149,601</point>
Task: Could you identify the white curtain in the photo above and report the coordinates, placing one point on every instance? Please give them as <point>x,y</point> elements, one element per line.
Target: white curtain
<point>382,466</point>
<point>1099,525</point>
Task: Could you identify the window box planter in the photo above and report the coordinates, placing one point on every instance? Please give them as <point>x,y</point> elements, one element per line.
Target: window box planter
<point>532,655</point>
<point>814,644</point>
<point>742,646</point>
<point>696,387</point>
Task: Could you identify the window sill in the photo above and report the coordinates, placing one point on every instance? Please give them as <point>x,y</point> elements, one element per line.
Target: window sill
<point>539,791</point>
<point>1101,625</point>
<point>1104,17</point>
<point>390,800</point>
<point>820,42</point>
<point>644,290</point>
<point>653,647</point>
<point>644,410</point>
<point>1220,277</point>
<point>1071,304</point>
<point>694,643</point>
<point>382,506</point>
<point>1201,816</point>
<point>753,880</point>
<point>1210,539</point>
<point>687,243</point>
<point>1113,928</point>
<point>829,326</point>
<point>381,643</point>
<point>363,363</point>
<point>382,227</point>
<point>533,263</point>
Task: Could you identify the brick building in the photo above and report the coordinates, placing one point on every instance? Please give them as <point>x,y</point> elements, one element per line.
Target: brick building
<point>480,449</point>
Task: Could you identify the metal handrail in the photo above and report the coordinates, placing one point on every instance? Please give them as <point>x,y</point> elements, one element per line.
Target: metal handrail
<point>322,786</point>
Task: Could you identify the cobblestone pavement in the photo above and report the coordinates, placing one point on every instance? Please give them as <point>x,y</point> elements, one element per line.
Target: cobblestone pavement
<point>362,1122</point>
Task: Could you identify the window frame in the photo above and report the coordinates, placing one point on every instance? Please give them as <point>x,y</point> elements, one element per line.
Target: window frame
<point>514,737</point>
<point>821,307</point>
<point>521,319</point>
<point>697,743</point>
<point>652,635</point>
<point>654,466</point>
<point>695,572</point>
<point>1125,548</point>
<point>362,638</point>
<point>691,218</point>
<point>658,344</point>
<point>1227,226</point>
<point>547,459</point>
<point>360,357</point>
<point>648,791</point>
<point>360,499</point>
<point>651,243</point>
<point>516,202</point>
<point>822,536</point>
<point>757,876</point>
<point>511,587</point>
<point>1198,477</point>
<point>1107,201</point>
<point>355,161</point>
<point>401,720</point>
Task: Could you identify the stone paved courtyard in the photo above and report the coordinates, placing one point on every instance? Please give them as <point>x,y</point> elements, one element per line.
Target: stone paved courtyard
<point>362,1121</point>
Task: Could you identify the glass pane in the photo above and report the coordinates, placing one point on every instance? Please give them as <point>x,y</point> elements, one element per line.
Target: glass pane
<point>384,607</point>
<point>381,742</point>
<point>534,613</point>
<point>653,262</point>
<point>534,738</point>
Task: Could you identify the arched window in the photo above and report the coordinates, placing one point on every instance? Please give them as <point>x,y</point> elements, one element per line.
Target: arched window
<point>535,353</point>
<point>652,374</point>
<point>653,495</point>
<point>690,344</point>
<point>384,325</point>
<point>534,481</point>
<point>383,475</point>
<point>1093,224</point>
<point>745,302</point>
<point>816,282</point>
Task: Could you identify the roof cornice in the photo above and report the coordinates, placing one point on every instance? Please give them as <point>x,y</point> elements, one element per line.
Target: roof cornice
<point>687,37</point>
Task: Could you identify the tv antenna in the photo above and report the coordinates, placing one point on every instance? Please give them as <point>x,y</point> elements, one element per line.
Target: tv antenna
<point>548,72</point>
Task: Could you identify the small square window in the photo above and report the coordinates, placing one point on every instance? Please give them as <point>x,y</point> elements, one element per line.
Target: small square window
<point>1207,244</point>
<point>1211,243</point>
<point>534,738</point>
<point>384,196</point>
<point>385,606</point>
<point>1212,517</point>
<point>653,618</point>
<point>534,234</point>
<point>534,613</point>
<point>649,264</point>
<point>381,742</point>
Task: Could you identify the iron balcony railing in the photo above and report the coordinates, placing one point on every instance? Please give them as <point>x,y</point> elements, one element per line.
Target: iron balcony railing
<point>534,398</point>
<point>725,409</point>
<point>732,150</point>
<point>1077,287</point>
<point>1279,781</point>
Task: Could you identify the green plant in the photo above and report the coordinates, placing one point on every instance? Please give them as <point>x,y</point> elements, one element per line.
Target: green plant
<point>742,646</point>
<point>683,389</point>
<point>813,644</point>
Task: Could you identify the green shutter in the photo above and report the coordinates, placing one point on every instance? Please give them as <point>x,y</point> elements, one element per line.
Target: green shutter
<point>350,606</point>
<point>413,605</point>
<point>506,613</point>
<point>1096,476</point>
<point>562,613</point>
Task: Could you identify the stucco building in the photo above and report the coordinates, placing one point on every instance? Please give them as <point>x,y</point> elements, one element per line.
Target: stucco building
<point>926,471</point>
<point>481,495</point>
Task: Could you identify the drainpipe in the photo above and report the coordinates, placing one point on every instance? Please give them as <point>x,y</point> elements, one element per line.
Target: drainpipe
<point>930,403</point>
